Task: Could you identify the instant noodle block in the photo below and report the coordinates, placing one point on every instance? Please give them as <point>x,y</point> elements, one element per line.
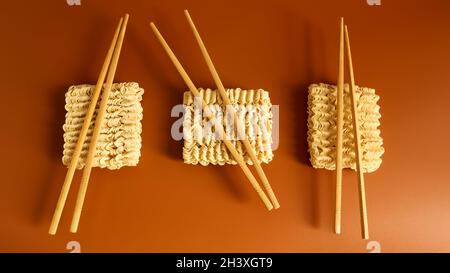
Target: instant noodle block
<point>322,127</point>
<point>203,146</point>
<point>119,142</point>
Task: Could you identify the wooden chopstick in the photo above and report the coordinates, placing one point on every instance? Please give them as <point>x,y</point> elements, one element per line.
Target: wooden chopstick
<point>221,88</point>
<point>357,136</point>
<point>340,121</point>
<point>238,157</point>
<point>82,136</point>
<point>98,125</point>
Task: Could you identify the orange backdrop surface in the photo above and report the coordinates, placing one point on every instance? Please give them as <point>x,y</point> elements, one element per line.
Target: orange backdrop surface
<point>401,48</point>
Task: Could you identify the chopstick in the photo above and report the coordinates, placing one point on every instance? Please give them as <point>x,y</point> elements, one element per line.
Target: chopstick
<point>221,88</point>
<point>82,136</point>
<point>357,136</point>
<point>340,121</point>
<point>98,124</point>
<point>238,157</point>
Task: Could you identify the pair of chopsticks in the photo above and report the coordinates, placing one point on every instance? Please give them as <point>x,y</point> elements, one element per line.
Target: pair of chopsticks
<point>357,136</point>
<point>273,202</point>
<point>108,70</point>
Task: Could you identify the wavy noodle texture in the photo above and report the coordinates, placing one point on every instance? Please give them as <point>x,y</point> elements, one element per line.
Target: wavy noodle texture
<point>203,146</point>
<point>119,143</point>
<point>322,128</point>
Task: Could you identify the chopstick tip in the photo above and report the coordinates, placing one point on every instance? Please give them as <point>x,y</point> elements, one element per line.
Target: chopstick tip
<point>125,18</point>
<point>74,227</point>
<point>186,13</point>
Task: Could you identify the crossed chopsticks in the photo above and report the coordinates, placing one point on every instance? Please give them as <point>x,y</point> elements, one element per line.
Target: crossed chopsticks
<point>357,136</point>
<point>108,70</point>
<point>273,202</point>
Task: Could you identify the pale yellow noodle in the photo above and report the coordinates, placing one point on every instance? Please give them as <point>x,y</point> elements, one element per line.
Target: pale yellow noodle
<point>322,128</point>
<point>119,143</point>
<point>203,147</point>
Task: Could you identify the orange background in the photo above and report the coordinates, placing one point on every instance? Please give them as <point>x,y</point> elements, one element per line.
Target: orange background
<point>401,48</point>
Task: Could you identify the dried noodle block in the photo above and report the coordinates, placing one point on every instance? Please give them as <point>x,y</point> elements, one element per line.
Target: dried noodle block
<point>322,127</point>
<point>201,146</point>
<point>119,142</point>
